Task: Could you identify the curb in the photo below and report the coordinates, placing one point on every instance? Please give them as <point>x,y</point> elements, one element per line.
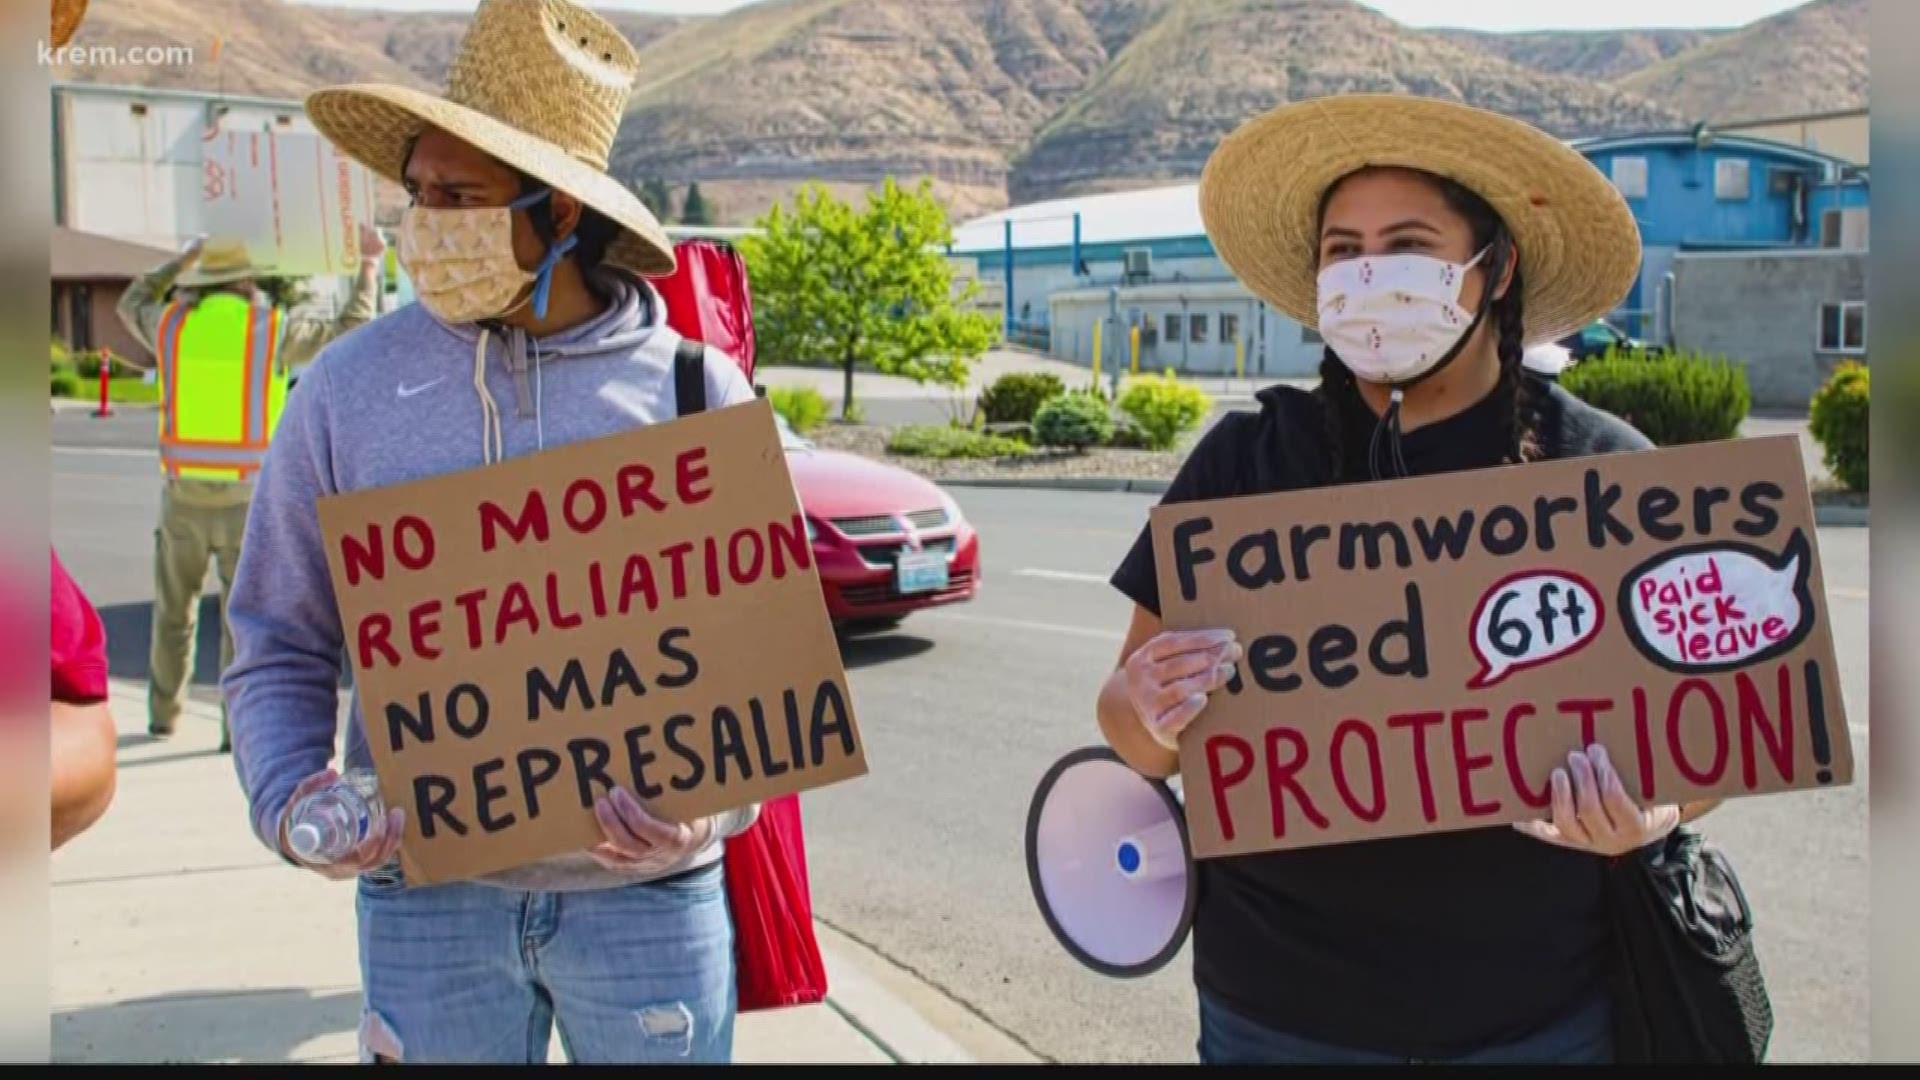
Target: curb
<point>881,1016</point>
<point>1094,483</point>
<point>1841,517</point>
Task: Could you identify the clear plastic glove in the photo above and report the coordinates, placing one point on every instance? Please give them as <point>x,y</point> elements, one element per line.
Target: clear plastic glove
<point>1170,677</point>
<point>639,843</point>
<point>377,850</point>
<point>1592,811</point>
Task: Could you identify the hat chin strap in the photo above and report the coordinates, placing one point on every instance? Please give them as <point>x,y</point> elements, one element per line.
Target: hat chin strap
<point>1389,424</point>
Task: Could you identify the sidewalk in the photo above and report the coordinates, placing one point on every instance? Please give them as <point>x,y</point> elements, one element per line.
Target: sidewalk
<point>175,937</point>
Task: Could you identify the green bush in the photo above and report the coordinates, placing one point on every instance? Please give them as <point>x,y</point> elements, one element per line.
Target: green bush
<point>939,441</point>
<point>62,357</point>
<point>65,383</point>
<point>804,407</point>
<point>1672,398</point>
<point>1014,398</point>
<point>1128,437</point>
<point>1165,408</point>
<point>1839,421</point>
<point>1075,421</point>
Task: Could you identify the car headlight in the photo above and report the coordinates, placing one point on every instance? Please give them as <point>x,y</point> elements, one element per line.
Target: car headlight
<point>954,516</point>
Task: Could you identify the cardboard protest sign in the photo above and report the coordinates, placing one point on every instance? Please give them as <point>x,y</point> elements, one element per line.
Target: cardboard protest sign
<point>641,610</point>
<point>297,202</point>
<point>1421,654</point>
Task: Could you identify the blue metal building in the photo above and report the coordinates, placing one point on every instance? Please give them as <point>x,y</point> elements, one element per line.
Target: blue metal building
<point>1700,191</point>
<point>1142,258</point>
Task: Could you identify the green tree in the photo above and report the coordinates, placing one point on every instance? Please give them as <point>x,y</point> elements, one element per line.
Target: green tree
<point>868,288</point>
<point>658,196</point>
<point>695,211</point>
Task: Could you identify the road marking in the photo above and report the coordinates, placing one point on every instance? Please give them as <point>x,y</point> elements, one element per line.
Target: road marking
<point>1062,575</point>
<point>1024,624</point>
<point>106,451</point>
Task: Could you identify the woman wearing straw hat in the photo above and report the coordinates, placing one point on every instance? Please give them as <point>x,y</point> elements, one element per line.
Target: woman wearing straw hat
<point>534,328</point>
<point>1430,243</point>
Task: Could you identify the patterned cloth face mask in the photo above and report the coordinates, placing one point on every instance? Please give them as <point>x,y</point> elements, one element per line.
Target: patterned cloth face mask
<point>1392,319</point>
<point>462,263</point>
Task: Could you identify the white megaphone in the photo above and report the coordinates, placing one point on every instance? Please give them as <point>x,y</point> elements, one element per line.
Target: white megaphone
<point>1110,865</point>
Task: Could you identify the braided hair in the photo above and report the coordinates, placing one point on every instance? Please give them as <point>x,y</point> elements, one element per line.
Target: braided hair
<point>1338,390</point>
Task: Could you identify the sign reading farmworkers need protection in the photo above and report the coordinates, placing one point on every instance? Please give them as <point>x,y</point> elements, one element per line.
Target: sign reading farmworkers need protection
<point>1421,654</point>
<point>641,611</point>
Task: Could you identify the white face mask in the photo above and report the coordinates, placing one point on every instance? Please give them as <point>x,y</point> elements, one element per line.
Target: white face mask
<point>1392,318</point>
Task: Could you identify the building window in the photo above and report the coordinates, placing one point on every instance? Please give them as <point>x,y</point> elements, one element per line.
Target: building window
<point>1229,328</point>
<point>1732,180</point>
<point>1310,336</point>
<point>1843,326</point>
<point>1197,329</point>
<point>1630,176</point>
<point>1173,328</point>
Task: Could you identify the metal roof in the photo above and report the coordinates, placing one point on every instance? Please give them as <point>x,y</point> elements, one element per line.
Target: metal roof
<point>1165,213</point>
<point>85,256</point>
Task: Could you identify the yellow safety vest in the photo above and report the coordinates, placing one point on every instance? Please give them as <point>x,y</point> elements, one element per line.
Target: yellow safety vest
<point>222,388</point>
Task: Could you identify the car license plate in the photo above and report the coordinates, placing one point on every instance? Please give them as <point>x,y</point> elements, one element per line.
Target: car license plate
<point>921,572</point>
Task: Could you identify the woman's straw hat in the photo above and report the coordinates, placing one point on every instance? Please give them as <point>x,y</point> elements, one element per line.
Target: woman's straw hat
<point>538,84</point>
<point>220,261</point>
<point>67,15</point>
<point>1260,198</point>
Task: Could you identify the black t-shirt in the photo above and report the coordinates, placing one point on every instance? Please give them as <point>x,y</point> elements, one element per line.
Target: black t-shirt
<point>1426,946</point>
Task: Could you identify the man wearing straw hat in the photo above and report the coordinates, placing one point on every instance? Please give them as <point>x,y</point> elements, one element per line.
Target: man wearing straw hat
<point>224,358</point>
<point>535,327</point>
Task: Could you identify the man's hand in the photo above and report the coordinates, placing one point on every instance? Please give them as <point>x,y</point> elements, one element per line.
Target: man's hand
<point>376,851</point>
<point>1592,811</point>
<point>639,843</point>
<point>372,244</point>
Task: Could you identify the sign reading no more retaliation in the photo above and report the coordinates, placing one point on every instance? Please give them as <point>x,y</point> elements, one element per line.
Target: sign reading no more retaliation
<point>640,610</point>
<point>1421,654</point>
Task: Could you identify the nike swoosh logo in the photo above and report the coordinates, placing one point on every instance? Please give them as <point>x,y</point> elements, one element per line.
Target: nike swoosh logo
<point>408,391</point>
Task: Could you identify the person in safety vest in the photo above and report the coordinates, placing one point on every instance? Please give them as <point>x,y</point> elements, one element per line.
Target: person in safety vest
<point>223,353</point>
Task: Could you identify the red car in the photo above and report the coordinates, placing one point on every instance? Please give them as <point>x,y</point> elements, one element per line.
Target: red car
<point>887,542</point>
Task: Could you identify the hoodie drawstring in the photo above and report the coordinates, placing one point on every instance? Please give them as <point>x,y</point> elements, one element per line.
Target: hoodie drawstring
<point>492,440</point>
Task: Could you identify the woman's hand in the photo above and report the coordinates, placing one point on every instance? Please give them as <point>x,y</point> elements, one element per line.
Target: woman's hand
<point>1168,678</point>
<point>1592,812</point>
<point>382,842</point>
<point>639,843</point>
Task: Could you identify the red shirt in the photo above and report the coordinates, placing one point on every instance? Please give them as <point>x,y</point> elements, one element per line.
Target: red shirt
<point>77,642</point>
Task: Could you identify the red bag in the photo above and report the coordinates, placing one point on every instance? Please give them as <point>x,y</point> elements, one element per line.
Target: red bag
<point>707,298</point>
<point>776,952</point>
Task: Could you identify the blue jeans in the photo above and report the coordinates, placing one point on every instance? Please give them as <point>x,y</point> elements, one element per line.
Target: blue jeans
<point>1584,1037</point>
<point>475,974</point>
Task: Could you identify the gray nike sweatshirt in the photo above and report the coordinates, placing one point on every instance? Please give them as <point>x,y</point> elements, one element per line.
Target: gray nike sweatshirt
<point>391,402</point>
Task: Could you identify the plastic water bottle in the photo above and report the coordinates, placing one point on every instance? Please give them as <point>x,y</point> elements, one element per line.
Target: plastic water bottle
<point>327,824</point>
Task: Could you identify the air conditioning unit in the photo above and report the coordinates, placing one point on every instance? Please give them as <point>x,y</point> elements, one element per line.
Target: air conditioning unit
<point>1845,229</point>
<point>1139,265</point>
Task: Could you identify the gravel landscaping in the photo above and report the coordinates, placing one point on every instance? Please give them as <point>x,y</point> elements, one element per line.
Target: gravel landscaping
<point>870,440</point>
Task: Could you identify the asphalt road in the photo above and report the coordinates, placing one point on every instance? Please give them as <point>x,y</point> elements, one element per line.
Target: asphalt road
<point>964,709</point>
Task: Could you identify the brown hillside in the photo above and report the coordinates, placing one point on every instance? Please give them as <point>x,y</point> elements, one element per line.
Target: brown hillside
<point>1812,58</point>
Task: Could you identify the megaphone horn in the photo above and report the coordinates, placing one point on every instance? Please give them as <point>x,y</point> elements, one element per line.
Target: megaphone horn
<point>1110,864</point>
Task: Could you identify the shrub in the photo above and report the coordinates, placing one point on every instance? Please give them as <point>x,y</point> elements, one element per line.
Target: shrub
<point>1128,437</point>
<point>1165,408</point>
<point>940,441</point>
<point>804,407</point>
<point>1838,419</point>
<point>1014,398</point>
<point>1075,421</point>
<point>1672,398</point>
<point>65,383</point>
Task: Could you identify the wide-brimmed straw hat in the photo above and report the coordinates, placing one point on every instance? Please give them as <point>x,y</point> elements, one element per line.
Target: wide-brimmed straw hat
<point>539,84</point>
<point>1261,190</point>
<point>220,261</point>
<point>67,16</point>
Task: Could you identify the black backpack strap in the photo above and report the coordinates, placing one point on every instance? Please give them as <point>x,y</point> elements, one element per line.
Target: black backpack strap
<point>690,377</point>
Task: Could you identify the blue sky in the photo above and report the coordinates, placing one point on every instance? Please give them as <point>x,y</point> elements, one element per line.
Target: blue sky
<point>1476,14</point>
